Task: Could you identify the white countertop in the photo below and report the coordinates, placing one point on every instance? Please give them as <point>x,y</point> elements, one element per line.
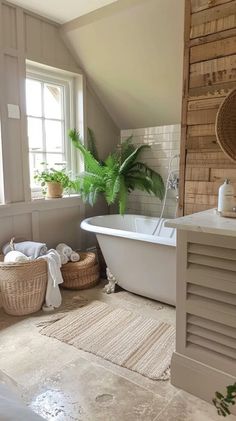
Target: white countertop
<point>207,222</point>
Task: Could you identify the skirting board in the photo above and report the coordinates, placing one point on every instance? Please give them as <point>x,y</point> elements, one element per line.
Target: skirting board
<point>199,379</point>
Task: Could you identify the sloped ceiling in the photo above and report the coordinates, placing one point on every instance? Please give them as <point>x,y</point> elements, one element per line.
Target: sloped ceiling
<point>132,53</point>
<point>62,10</point>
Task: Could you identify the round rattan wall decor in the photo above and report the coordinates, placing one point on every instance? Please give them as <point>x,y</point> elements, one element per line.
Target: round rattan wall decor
<point>226,126</point>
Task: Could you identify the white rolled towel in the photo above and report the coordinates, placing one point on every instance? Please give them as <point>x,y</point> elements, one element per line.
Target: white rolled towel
<point>74,257</point>
<point>64,249</point>
<point>64,258</point>
<point>15,256</point>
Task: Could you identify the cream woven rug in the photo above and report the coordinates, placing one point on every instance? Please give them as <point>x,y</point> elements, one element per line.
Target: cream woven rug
<point>118,335</point>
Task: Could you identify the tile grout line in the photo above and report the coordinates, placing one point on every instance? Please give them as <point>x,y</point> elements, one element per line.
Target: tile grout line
<point>167,405</point>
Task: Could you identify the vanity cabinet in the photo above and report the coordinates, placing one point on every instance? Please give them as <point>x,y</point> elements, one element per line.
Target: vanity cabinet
<point>205,356</point>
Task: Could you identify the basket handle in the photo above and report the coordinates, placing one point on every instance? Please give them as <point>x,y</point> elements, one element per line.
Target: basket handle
<point>12,245</point>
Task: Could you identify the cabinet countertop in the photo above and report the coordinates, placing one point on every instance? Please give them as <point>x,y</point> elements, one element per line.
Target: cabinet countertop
<point>207,222</point>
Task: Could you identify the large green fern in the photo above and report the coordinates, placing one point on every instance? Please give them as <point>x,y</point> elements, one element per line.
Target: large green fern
<point>117,176</point>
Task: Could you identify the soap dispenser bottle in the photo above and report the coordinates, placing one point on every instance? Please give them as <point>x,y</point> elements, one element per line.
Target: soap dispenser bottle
<point>226,197</point>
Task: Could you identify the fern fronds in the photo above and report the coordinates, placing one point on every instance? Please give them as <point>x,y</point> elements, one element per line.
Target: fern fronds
<point>122,195</point>
<point>92,144</point>
<point>91,164</point>
<point>119,175</point>
<point>158,183</point>
<point>132,158</point>
<point>127,148</point>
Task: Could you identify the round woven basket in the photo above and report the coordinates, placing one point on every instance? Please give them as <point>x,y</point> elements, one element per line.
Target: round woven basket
<point>23,286</point>
<point>226,126</point>
<point>83,274</point>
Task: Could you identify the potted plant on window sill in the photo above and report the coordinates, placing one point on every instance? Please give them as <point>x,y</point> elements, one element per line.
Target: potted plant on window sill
<point>53,182</point>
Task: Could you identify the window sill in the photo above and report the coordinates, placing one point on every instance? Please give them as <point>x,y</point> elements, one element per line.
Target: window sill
<point>42,204</point>
<point>63,198</point>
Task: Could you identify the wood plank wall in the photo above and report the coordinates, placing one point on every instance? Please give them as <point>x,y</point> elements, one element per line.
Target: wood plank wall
<point>209,75</point>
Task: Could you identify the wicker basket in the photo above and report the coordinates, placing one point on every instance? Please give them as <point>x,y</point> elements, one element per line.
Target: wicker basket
<point>83,274</point>
<point>23,286</point>
<point>226,126</point>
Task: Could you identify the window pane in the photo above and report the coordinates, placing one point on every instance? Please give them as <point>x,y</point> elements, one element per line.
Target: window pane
<point>36,160</point>
<point>53,101</point>
<point>54,140</point>
<point>35,133</point>
<point>56,161</point>
<point>33,97</point>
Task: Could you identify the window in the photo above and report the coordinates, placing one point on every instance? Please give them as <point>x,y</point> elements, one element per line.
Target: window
<point>49,108</point>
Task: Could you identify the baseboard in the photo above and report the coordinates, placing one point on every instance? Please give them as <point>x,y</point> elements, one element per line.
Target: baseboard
<point>199,379</point>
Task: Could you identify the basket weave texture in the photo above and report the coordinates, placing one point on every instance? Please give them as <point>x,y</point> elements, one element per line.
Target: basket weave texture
<point>23,286</point>
<point>226,126</point>
<point>83,274</point>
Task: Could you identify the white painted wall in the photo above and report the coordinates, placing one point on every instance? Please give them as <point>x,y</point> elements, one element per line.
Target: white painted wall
<point>27,36</point>
<point>132,53</point>
<point>165,143</point>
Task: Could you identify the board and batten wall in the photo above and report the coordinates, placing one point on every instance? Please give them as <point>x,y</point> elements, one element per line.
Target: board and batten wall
<point>24,35</point>
<point>164,142</point>
<point>209,75</point>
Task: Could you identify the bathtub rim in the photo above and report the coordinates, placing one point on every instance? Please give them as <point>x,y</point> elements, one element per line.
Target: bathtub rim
<point>87,226</point>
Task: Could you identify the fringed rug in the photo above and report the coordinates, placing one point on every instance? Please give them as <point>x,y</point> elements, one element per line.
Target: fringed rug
<point>129,340</point>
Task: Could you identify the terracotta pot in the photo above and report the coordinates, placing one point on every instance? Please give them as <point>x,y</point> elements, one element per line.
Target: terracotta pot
<point>54,190</point>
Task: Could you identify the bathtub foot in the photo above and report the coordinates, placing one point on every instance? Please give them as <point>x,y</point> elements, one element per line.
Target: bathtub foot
<point>110,287</point>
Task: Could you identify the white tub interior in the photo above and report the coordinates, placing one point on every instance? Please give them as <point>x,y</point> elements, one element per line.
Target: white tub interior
<point>132,224</point>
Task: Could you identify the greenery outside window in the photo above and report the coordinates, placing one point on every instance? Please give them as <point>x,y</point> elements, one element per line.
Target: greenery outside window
<point>50,112</point>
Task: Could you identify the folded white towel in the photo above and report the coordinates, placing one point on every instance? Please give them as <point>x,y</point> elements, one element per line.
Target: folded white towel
<point>53,294</point>
<point>29,248</point>
<point>64,258</point>
<point>15,256</point>
<point>64,249</point>
<point>74,257</point>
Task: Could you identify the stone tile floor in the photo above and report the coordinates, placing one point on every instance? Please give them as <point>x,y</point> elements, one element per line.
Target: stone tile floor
<point>62,383</point>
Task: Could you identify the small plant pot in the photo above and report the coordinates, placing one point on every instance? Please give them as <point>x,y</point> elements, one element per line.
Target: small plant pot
<point>54,190</point>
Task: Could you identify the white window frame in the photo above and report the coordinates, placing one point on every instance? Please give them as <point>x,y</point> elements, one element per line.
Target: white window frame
<point>68,82</point>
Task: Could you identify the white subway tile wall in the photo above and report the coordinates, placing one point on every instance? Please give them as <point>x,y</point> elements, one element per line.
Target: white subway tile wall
<point>165,143</point>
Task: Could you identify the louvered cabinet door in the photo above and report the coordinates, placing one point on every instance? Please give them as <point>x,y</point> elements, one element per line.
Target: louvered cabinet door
<point>206,300</point>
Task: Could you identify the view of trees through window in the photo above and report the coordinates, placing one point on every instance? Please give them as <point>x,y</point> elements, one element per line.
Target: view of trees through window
<point>46,124</point>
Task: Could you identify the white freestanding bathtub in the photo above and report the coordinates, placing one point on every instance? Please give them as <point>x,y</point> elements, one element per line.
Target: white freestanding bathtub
<point>141,262</point>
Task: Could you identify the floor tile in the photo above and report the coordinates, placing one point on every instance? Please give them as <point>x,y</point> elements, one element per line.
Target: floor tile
<point>86,392</point>
<point>63,383</point>
<point>186,407</point>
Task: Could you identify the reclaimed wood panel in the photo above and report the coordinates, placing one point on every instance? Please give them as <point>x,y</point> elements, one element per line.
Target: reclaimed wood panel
<point>212,50</point>
<point>202,142</point>
<point>215,26</point>
<point>214,13</point>
<point>185,91</point>
<point>196,207</point>
<point>213,37</point>
<point>201,199</point>
<point>211,90</point>
<point>201,117</point>
<point>209,75</point>
<point>205,103</point>
<point>213,20</point>
<point>198,5</point>
<point>197,174</point>
<point>202,187</point>
<point>201,130</point>
<point>212,72</point>
<point>208,159</point>
<point>220,175</point>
